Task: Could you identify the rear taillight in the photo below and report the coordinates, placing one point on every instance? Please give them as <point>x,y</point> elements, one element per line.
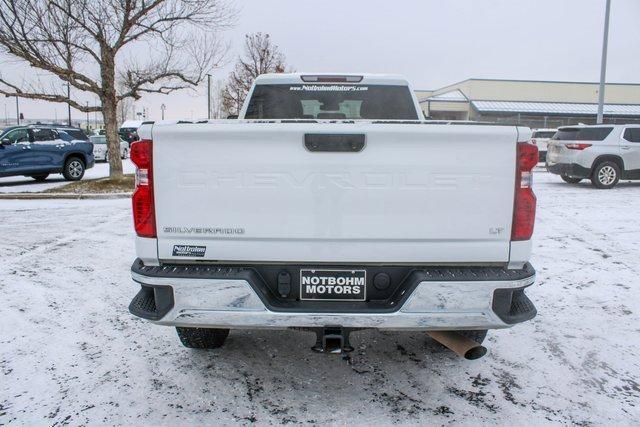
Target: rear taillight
<point>576,146</point>
<point>524,209</point>
<point>144,215</point>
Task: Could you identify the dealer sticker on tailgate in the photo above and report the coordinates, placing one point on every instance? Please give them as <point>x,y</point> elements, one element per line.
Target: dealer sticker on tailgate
<point>190,251</point>
<point>333,285</point>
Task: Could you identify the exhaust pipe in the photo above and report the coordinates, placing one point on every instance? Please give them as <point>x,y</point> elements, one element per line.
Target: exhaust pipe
<point>460,345</point>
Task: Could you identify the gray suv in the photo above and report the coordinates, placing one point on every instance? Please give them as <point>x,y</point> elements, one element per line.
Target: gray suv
<point>605,154</point>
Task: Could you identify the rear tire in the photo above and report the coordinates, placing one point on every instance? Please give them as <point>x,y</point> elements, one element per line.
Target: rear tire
<point>73,169</point>
<point>40,177</point>
<point>570,179</point>
<point>605,175</point>
<point>202,338</point>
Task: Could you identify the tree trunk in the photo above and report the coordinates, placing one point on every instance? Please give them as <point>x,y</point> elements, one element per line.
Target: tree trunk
<point>110,111</point>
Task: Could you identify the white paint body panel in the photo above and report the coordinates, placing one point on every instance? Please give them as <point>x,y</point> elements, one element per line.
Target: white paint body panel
<point>417,193</point>
<point>147,250</point>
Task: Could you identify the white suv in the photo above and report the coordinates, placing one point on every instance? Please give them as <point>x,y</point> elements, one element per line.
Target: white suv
<point>541,137</point>
<point>100,150</point>
<point>603,153</point>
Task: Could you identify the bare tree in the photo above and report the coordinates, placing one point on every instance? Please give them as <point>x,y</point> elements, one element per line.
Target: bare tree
<point>218,110</point>
<point>125,107</point>
<point>261,56</point>
<point>157,46</point>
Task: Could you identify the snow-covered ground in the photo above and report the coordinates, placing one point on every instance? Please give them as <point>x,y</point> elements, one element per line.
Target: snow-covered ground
<point>71,353</point>
<point>23,184</point>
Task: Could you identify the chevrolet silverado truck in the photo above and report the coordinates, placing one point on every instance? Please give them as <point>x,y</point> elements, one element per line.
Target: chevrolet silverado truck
<point>331,206</point>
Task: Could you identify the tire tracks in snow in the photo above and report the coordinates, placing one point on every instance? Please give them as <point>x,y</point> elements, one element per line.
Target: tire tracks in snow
<point>77,235</point>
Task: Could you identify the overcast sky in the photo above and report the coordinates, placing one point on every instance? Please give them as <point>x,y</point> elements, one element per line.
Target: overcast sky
<point>432,42</point>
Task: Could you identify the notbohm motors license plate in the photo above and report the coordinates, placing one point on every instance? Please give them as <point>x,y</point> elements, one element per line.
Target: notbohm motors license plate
<point>333,285</point>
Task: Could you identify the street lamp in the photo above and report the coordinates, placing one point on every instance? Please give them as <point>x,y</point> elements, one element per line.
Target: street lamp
<point>17,109</point>
<point>208,96</point>
<point>603,65</point>
<point>68,104</point>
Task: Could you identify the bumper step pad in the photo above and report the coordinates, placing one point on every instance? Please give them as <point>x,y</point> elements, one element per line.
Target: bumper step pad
<point>152,303</point>
<point>513,306</point>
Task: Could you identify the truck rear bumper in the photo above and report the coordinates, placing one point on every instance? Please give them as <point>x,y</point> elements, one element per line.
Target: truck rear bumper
<point>199,296</point>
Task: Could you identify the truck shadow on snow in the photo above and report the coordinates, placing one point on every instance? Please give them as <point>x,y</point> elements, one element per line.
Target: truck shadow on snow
<point>391,377</point>
<point>395,374</point>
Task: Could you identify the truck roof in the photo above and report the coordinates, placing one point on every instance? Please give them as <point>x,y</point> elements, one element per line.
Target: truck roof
<point>332,78</point>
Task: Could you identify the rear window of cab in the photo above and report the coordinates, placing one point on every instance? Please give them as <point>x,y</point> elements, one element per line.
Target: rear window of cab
<point>331,102</point>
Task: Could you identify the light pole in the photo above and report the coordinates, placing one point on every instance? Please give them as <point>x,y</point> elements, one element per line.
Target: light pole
<point>87,116</point>
<point>208,96</point>
<point>603,66</point>
<point>17,110</point>
<point>68,105</point>
<point>162,108</point>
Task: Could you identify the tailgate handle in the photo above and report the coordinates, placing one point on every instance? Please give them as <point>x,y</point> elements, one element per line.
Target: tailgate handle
<point>334,142</point>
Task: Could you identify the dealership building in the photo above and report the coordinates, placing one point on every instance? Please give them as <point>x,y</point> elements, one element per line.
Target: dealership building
<point>538,104</point>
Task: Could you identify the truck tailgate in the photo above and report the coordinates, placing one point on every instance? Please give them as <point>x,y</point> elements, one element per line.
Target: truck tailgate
<point>252,192</point>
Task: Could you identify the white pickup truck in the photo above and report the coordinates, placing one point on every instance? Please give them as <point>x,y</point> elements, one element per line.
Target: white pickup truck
<point>331,206</point>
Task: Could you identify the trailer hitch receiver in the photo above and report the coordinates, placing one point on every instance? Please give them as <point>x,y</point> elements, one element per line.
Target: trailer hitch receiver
<point>332,339</point>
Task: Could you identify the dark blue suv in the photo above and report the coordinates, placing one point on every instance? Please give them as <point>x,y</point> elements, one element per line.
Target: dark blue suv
<point>38,151</point>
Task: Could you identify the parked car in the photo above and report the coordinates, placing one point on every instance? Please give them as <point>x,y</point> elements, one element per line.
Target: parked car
<point>38,151</point>
<point>331,206</point>
<point>605,154</point>
<point>129,130</point>
<point>66,133</point>
<point>69,133</point>
<point>100,152</point>
<point>540,138</point>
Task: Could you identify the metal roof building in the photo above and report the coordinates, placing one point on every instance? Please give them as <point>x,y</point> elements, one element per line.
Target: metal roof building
<point>531,103</point>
